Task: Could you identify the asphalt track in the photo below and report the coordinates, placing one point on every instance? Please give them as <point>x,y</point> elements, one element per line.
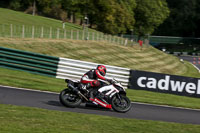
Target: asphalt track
<point>50,101</point>
<point>192,59</point>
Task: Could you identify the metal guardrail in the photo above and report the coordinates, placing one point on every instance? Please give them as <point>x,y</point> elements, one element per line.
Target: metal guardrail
<point>28,61</point>
<point>74,69</point>
<point>54,66</point>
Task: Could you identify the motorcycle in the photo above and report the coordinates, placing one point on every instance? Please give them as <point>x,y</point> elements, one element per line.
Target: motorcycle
<point>114,95</point>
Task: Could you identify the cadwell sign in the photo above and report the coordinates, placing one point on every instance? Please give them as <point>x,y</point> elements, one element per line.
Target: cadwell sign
<point>165,83</point>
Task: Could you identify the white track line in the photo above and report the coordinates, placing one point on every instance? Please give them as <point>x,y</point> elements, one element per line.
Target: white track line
<point>195,67</point>
<point>167,106</point>
<point>29,89</point>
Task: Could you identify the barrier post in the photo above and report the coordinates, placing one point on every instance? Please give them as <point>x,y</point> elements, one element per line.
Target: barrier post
<point>11,30</point>
<point>22,31</point>
<point>50,32</point>
<point>42,32</point>
<point>64,33</point>
<point>58,32</point>
<point>77,35</point>
<point>33,31</point>
<point>83,35</point>
<point>71,34</point>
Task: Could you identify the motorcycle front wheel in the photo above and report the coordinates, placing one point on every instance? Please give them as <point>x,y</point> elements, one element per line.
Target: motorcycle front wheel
<point>69,98</point>
<point>121,103</point>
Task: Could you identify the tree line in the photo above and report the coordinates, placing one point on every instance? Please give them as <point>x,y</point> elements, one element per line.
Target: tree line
<point>184,19</point>
<point>141,17</point>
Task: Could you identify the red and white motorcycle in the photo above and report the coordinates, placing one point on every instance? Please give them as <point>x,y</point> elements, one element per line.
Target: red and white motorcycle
<point>114,96</point>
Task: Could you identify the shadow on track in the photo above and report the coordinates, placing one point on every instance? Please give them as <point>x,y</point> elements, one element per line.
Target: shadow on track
<point>81,106</point>
<point>54,103</point>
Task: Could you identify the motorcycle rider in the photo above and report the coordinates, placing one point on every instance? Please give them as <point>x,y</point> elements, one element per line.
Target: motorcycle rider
<point>90,79</point>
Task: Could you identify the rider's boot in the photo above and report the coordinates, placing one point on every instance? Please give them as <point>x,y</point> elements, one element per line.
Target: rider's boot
<point>100,95</point>
<point>91,97</point>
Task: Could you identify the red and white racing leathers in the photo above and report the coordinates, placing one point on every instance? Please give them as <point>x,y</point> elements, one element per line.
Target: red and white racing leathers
<point>92,77</point>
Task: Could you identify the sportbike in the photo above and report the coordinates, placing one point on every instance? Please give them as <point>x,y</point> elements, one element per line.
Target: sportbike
<point>114,95</point>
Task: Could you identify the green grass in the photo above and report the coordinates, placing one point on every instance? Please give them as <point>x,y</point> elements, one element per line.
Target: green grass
<point>43,27</point>
<point>191,72</point>
<point>163,99</point>
<point>28,80</point>
<point>18,18</point>
<point>147,58</point>
<point>33,81</point>
<point>17,119</point>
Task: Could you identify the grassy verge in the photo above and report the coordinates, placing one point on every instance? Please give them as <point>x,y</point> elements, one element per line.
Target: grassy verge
<point>147,58</point>
<point>163,99</point>
<point>17,119</point>
<point>191,71</point>
<point>18,20</point>
<point>27,80</point>
<point>8,16</point>
<point>33,81</point>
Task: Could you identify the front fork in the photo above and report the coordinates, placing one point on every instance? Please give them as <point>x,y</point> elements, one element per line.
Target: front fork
<point>120,100</point>
<point>119,97</point>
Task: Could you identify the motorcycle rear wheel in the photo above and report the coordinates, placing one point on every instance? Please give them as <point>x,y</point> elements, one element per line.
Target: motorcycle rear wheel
<point>69,98</point>
<point>122,105</point>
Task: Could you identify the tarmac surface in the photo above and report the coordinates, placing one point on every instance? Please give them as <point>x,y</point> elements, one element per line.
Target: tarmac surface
<point>192,59</point>
<point>50,101</point>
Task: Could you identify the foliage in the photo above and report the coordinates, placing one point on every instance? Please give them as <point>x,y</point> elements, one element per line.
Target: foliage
<point>114,17</point>
<point>15,4</point>
<point>149,15</point>
<point>133,57</point>
<point>130,57</point>
<point>109,16</point>
<point>183,21</point>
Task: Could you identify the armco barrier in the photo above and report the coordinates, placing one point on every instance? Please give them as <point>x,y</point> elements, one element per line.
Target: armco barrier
<point>74,69</point>
<point>28,61</point>
<point>54,66</point>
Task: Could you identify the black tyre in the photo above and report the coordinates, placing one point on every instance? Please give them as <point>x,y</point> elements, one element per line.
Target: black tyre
<point>122,105</point>
<point>69,98</point>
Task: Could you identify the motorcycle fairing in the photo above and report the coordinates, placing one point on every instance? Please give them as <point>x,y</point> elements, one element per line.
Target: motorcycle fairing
<point>111,90</point>
<point>98,101</point>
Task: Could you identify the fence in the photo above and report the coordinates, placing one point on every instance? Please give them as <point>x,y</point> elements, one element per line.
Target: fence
<point>74,69</point>
<point>27,61</point>
<point>54,66</point>
<point>64,68</point>
<point>174,40</point>
<point>24,31</point>
<point>157,40</point>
